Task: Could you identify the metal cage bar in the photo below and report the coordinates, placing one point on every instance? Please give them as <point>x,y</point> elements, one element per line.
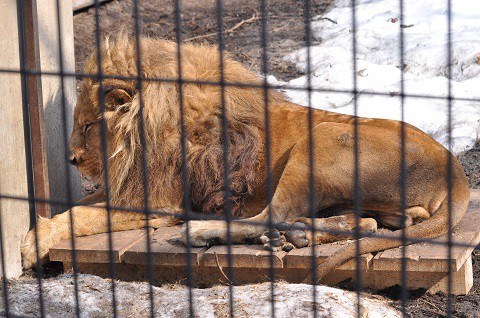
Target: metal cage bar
<point>145,174</point>
<point>28,142</point>
<point>225,152</point>
<point>311,181</point>
<point>185,173</point>
<point>104,143</point>
<point>67,170</point>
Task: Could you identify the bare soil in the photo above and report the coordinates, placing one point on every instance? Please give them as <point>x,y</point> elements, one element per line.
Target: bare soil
<point>241,23</point>
<point>286,33</point>
<point>471,165</point>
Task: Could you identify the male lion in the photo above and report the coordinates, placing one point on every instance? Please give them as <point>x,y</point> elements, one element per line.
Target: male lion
<point>156,106</point>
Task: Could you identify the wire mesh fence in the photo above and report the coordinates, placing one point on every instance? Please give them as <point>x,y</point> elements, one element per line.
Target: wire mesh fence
<point>180,133</point>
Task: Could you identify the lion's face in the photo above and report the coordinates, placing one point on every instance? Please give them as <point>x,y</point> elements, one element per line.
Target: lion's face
<point>86,146</point>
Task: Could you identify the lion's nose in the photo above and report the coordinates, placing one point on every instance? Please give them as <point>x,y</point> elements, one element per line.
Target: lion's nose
<point>72,160</point>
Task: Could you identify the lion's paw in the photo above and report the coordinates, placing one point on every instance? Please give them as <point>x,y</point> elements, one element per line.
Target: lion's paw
<point>46,239</point>
<point>285,236</point>
<point>204,233</point>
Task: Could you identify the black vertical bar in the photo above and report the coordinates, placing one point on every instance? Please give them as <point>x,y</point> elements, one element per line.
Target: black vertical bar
<point>67,170</point>
<point>449,158</point>
<point>264,39</point>
<point>403,164</point>
<point>28,145</point>
<point>356,185</point>
<point>146,206</point>
<point>4,275</point>
<point>104,157</point>
<point>311,179</point>
<point>186,187</point>
<point>225,146</point>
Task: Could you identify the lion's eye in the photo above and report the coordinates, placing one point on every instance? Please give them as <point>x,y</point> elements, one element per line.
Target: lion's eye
<point>87,127</point>
<point>114,98</point>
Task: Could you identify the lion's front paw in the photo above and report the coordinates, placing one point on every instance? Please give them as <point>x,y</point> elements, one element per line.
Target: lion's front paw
<point>46,239</point>
<point>204,233</point>
<point>29,256</point>
<point>285,236</point>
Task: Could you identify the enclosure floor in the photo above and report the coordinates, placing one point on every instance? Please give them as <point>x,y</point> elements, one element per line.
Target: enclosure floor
<point>427,264</point>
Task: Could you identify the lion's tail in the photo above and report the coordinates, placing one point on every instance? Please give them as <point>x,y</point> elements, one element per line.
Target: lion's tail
<point>435,226</point>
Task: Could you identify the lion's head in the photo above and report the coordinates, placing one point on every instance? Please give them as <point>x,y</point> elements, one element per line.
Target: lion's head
<point>154,104</point>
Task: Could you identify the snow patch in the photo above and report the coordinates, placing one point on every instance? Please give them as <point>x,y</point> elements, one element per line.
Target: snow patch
<point>132,300</point>
<point>379,65</point>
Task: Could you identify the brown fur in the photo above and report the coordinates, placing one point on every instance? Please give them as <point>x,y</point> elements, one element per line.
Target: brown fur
<point>379,151</point>
<point>161,112</point>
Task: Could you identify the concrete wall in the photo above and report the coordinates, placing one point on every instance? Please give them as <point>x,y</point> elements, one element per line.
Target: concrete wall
<point>13,181</point>
<point>14,215</point>
<point>55,127</point>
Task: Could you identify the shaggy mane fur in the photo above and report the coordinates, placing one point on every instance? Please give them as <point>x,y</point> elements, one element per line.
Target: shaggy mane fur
<point>202,108</point>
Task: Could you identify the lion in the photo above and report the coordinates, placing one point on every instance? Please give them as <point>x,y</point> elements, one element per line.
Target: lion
<point>175,129</point>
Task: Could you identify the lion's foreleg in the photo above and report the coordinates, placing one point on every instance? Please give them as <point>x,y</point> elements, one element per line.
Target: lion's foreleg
<point>207,233</point>
<point>87,220</point>
<point>289,201</point>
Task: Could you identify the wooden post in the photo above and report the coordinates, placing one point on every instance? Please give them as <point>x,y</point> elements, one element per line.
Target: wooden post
<point>34,99</point>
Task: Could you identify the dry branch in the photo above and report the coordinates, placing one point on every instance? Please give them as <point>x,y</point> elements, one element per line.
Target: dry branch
<point>221,269</point>
<point>232,29</point>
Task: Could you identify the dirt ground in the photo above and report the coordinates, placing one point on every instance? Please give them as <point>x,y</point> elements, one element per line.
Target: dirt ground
<point>286,33</point>
<point>286,27</point>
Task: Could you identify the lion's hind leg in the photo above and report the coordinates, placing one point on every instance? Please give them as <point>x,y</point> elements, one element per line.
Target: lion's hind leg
<point>306,231</point>
<point>397,220</point>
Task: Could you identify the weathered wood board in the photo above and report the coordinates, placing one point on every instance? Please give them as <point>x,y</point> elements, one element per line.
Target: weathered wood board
<point>302,257</point>
<point>95,248</point>
<point>166,249</point>
<point>427,263</point>
<point>244,256</point>
<point>433,257</point>
<point>82,4</point>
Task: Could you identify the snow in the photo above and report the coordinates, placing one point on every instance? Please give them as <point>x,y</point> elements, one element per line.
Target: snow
<point>378,65</point>
<point>132,300</point>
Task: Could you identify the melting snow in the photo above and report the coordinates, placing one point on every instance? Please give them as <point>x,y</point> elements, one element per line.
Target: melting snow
<point>132,300</point>
<point>379,65</point>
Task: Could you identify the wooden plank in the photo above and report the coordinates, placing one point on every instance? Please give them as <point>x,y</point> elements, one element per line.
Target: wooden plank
<point>461,280</point>
<point>430,257</point>
<point>82,4</point>
<point>95,248</point>
<point>475,198</point>
<point>302,257</point>
<point>243,256</point>
<point>166,249</point>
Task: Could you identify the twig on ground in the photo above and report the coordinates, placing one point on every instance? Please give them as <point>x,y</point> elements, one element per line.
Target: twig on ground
<point>433,311</point>
<point>436,310</point>
<point>239,24</point>
<point>251,61</point>
<point>325,18</point>
<point>232,29</point>
<point>221,269</point>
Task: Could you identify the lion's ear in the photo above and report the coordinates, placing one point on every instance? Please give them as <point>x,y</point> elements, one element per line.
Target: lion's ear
<point>115,98</point>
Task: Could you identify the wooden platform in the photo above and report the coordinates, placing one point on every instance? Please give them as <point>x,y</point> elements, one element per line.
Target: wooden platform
<point>427,263</point>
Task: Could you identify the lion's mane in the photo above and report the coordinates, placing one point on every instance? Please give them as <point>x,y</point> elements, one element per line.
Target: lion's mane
<point>160,107</point>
